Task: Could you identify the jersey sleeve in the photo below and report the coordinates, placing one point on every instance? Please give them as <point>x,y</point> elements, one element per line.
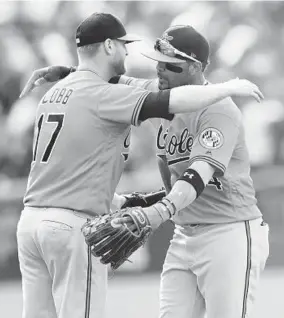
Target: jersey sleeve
<point>216,138</point>
<point>122,103</point>
<point>150,85</point>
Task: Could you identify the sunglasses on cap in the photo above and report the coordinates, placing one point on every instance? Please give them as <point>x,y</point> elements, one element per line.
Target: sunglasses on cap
<point>166,48</point>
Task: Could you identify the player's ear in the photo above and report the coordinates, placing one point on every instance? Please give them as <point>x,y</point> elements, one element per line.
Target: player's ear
<point>191,69</point>
<point>109,46</point>
<point>194,68</point>
<point>197,67</point>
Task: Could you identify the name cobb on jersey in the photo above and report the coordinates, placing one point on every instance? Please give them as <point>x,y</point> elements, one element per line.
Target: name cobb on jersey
<point>181,145</point>
<point>58,96</point>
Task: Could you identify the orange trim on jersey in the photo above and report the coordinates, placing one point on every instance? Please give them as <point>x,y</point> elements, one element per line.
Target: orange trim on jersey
<point>177,160</point>
<point>246,289</point>
<point>128,81</point>
<point>89,284</point>
<point>211,161</point>
<point>135,115</point>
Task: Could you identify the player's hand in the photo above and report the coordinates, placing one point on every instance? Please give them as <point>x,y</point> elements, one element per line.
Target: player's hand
<point>244,88</point>
<point>45,75</point>
<point>154,220</point>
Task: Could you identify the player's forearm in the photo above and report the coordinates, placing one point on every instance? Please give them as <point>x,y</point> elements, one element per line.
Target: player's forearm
<point>182,194</point>
<point>194,97</point>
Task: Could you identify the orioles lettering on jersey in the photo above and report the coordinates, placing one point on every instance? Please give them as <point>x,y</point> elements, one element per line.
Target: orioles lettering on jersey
<point>182,145</point>
<point>161,137</point>
<point>175,145</point>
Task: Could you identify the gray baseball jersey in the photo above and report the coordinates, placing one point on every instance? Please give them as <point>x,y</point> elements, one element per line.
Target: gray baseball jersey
<point>223,259</point>
<point>214,135</point>
<point>81,137</point>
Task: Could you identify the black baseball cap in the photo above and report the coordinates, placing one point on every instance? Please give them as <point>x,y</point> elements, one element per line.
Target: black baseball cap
<point>180,43</point>
<point>101,26</point>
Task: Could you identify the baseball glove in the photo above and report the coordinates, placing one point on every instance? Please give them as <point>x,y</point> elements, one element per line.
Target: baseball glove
<point>113,243</point>
<point>143,200</point>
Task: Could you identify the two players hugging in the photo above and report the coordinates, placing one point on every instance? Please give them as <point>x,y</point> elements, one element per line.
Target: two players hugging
<point>114,237</point>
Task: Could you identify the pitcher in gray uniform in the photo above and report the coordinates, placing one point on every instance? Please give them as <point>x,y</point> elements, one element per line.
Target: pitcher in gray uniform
<point>80,129</point>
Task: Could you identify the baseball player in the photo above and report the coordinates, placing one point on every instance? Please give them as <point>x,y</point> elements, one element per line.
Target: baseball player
<point>220,244</point>
<point>80,128</point>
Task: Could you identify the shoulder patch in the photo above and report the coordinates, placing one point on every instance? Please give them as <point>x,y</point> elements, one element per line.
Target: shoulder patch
<point>211,138</point>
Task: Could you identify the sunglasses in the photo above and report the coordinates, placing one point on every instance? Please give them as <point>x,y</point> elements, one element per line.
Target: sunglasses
<point>166,48</point>
<point>173,68</point>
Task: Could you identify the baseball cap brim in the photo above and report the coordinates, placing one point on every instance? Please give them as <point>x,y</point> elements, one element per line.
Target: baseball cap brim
<point>130,38</point>
<point>158,56</point>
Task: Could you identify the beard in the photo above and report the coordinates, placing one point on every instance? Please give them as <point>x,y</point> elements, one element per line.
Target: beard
<point>163,84</point>
<point>119,67</point>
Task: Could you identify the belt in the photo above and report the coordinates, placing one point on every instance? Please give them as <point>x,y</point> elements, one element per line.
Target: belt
<point>64,210</point>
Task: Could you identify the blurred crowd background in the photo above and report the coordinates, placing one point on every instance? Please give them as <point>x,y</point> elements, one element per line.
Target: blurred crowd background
<point>246,39</point>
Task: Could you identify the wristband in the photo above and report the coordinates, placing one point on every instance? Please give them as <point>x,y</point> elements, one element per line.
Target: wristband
<point>162,210</point>
<point>192,177</point>
<point>169,205</point>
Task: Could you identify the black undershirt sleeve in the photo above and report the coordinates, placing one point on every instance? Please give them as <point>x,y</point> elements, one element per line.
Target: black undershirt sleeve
<point>114,80</point>
<point>156,105</point>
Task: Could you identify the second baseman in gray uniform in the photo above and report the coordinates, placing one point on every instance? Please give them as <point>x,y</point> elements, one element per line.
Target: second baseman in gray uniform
<point>121,114</point>
<point>220,245</point>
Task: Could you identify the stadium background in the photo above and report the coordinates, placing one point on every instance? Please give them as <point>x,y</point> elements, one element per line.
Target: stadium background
<point>247,40</point>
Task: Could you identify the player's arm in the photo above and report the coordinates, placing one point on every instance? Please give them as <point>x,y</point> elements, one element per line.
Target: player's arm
<point>148,84</point>
<point>223,123</point>
<point>49,74</point>
<point>132,105</point>
<point>185,96</point>
<point>185,190</point>
<point>53,74</point>
<point>190,98</point>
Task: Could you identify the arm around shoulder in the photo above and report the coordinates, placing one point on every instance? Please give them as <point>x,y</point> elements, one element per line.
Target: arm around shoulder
<point>191,98</point>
